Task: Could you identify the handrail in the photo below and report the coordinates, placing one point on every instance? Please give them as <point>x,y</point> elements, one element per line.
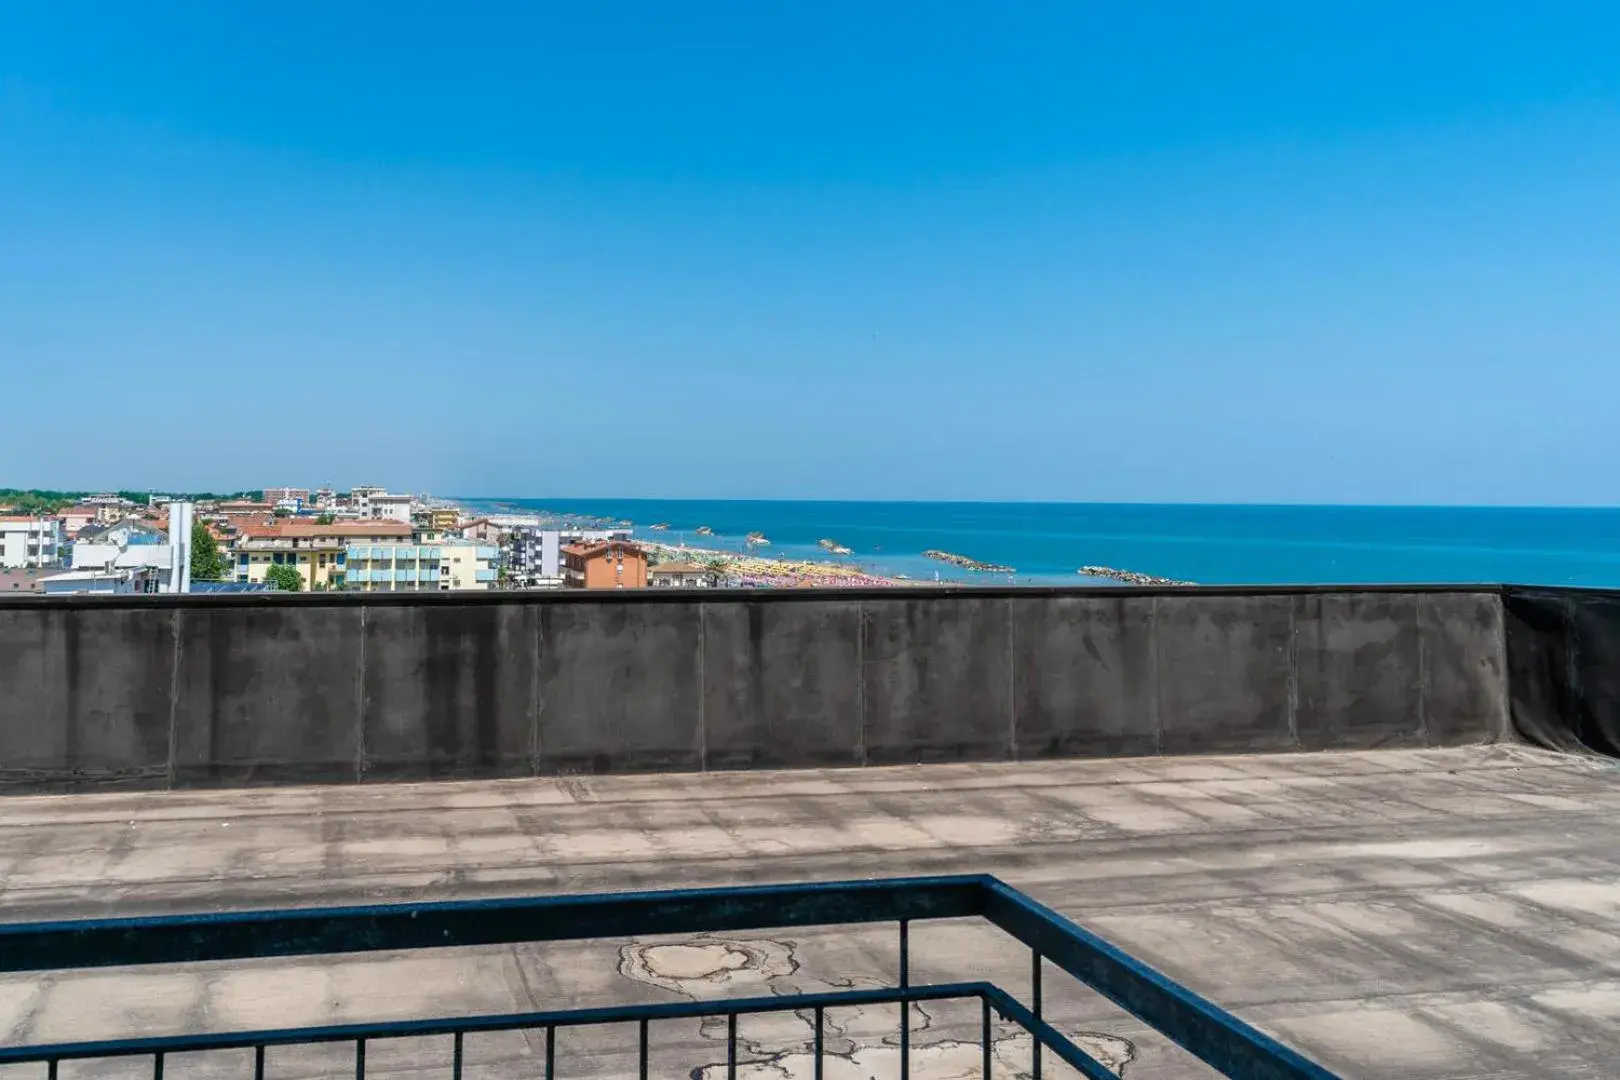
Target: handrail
<point>1198,1025</point>
<point>168,939</point>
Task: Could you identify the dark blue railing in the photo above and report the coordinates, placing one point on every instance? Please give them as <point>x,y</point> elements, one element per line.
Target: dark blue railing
<point>1205,1030</point>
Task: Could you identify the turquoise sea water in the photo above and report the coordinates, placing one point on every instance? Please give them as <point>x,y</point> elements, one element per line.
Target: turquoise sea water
<point>1048,542</point>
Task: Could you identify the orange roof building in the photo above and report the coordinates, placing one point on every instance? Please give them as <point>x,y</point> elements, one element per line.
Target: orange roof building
<point>607,564</point>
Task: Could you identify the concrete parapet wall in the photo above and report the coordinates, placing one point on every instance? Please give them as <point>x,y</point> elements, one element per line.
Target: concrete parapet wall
<point>183,691</point>
<point>1564,667</point>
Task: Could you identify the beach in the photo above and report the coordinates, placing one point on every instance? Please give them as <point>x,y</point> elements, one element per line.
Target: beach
<point>764,572</point>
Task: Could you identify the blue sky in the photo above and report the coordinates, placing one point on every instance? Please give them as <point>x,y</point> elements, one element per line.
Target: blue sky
<point>1054,251</point>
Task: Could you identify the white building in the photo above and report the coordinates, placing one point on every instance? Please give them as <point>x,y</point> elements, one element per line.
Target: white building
<point>98,581</point>
<point>360,498</point>
<point>392,507</point>
<point>30,541</point>
<point>142,567</point>
<point>468,565</point>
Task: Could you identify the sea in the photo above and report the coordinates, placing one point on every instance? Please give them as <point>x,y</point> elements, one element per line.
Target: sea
<point>1047,543</point>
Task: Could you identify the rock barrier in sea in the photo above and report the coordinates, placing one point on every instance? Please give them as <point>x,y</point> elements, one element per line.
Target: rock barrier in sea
<point>1129,577</point>
<point>968,564</point>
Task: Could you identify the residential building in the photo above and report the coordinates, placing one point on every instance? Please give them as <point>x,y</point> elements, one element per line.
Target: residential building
<point>610,564</point>
<point>681,575</point>
<point>115,504</point>
<point>21,580</point>
<point>151,561</point>
<point>469,565</point>
<point>299,496</point>
<point>30,541</point>
<point>482,530</point>
<point>360,498</point>
<point>534,557</point>
<point>129,532</point>
<point>397,566</point>
<point>75,518</point>
<point>392,507</point>
<point>320,553</point>
<point>131,556</point>
<point>444,517</point>
<point>241,506</point>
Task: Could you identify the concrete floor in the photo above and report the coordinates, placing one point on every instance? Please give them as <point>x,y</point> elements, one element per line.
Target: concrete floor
<point>1417,914</point>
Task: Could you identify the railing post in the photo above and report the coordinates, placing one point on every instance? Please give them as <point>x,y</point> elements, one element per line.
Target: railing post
<point>551,1051</point>
<point>643,1056</point>
<point>820,1019</point>
<point>731,1046</point>
<point>455,1063</point>
<point>1035,995</point>
<point>905,1006</point>
<point>985,1036</point>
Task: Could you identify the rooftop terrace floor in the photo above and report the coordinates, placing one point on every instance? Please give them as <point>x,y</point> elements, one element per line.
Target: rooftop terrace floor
<point>1447,913</point>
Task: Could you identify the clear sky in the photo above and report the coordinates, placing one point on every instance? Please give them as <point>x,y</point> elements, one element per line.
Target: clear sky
<point>1302,252</point>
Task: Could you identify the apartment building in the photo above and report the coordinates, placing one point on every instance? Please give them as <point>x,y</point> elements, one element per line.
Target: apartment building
<point>286,494</point>
<point>418,567</point>
<point>30,541</point>
<point>483,530</point>
<point>534,556</point>
<point>397,566</point>
<point>469,565</point>
<point>360,498</point>
<point>320,553</point>
<point>392,507</point>
<point>611,564</point>
<point>681,575</point>
<point>75,518</point>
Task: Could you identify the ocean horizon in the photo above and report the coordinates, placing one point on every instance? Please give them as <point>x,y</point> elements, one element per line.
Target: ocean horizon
<point>1047,543</point>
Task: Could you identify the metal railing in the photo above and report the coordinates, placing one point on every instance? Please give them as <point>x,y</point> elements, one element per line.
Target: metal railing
<point>1197,1025</point>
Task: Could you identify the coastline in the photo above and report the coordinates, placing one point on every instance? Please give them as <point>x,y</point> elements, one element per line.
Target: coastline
<point>744,549</point>
<point>757,571</point>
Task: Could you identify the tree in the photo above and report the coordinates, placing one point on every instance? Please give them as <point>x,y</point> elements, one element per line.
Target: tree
<point>326,519</point>
<point>207,562</point>
<point>284,578</point>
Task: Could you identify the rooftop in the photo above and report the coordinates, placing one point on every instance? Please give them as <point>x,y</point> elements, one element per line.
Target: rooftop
<point>597,546</point>
<point>301,529</point>
<point>1425,913</point>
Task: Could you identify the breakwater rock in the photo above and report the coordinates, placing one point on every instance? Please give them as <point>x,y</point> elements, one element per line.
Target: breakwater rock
<point>968,564</point>
<point>833,546</point>
<point>1129,577</point>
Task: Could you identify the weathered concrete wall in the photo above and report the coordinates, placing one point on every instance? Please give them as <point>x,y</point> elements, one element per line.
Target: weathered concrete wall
<point>1564,667</point>
<point>177,691</point>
